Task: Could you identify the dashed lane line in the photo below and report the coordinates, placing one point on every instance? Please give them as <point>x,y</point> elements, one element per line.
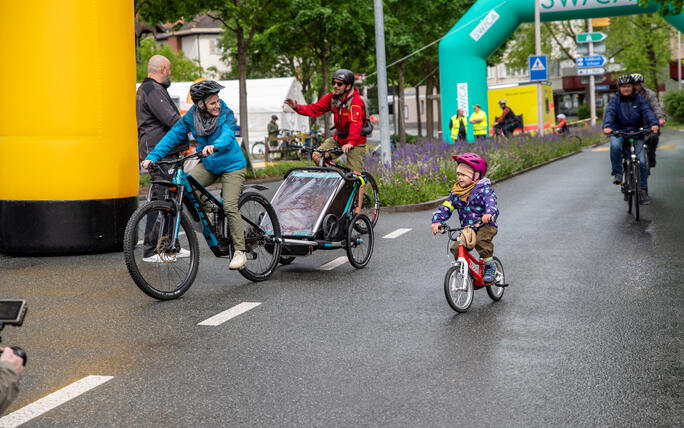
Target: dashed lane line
<point>224,316</point>
<point>333,264</point>
<point>51,401</point>
<point>397,233</point>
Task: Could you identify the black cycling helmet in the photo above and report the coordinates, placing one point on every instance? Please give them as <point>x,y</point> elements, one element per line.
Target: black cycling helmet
<point>201,90</point>
<point>274,117</point>
<point>637,78</point>
<point>344,75</point>
<point>625,79</point>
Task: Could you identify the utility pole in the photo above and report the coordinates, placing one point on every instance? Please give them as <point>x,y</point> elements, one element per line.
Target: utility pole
<point>679,57</point>
<point>537,49</point>
<point>386,150</point>
<point>592,82</point>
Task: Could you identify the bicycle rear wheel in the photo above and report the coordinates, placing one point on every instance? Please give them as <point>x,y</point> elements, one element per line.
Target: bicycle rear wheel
<point>262,237</point>
<point>160,268</point>
<point>258,151</point>
<point>371,199</point>
<point>496,290</point>
<point>457,289</point>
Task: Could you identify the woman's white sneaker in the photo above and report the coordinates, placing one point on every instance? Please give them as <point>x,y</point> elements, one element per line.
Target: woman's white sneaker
<point>239,260</point>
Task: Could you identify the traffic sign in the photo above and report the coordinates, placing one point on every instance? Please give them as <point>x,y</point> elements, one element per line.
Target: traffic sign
<point>538,69</point>
<point>590,37</point>
<point>591,61</point>
<point>590,71</point>
<point>597,79</point>
<point>602,87</point>
<point>583,49</point>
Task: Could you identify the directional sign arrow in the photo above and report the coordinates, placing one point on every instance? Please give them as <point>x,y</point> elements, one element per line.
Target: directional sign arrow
<point>590,71</point>
<point>590,37</point>
<point>591,61</point>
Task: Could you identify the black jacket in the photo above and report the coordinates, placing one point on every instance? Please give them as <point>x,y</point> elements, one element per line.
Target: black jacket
<point>155,113</point>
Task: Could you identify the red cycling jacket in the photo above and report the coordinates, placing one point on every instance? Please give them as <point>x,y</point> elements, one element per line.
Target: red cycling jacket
<point>348,116</point>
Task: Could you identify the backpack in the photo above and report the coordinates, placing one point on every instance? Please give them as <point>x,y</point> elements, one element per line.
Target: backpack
<point>366,128</point>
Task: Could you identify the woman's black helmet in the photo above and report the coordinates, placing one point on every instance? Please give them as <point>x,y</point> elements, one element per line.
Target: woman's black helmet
<point>201,90</point>
<point>344,75</point>
<point>625,79</point>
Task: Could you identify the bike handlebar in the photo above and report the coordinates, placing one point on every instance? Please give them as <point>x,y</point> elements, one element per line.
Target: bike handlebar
<point>642,132</point>
<point>334,151</point>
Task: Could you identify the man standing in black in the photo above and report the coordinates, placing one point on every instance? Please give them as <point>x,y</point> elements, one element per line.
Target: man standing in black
<point>156,113</point>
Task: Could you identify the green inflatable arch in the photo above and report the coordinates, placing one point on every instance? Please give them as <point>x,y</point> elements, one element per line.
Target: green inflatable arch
<point>465,48</point>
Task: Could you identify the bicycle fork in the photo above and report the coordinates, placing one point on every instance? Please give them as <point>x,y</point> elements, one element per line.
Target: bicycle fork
<point>463,269</point>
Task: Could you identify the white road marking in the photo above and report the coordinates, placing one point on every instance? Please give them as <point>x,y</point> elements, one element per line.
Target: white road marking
<point>335,263</point>
<point>224,316</point>
<point>51,401</point>
<point>397,233</point>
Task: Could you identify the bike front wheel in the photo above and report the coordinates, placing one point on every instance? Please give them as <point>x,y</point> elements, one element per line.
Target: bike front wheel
<point>359,241</point>
<point>161,268</point>
<point>496,290</point>
<point>262,237</point>
<point>636,187</point>
<point>458,289</point>
<point>628,184</point>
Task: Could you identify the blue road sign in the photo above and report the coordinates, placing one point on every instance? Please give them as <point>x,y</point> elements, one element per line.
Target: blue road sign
<point>538,69</point>
<point>602,87</point>
<point>591,61</point>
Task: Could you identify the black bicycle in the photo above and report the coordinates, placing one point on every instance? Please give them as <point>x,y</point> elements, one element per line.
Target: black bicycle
<point>631,167</point>
<point>371,197</point>
<point>165,228</point>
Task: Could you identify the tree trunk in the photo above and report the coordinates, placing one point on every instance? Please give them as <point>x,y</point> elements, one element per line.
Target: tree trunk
<point>242,76</point>
<point>324,90</point>
<point>429,120</point>
<point>400,105</point>
<point>420,130</point>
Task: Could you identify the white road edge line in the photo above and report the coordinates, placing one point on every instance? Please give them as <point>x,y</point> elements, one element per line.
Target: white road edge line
<point>397,233</point>
<point>51,401</point>
<point>224,316</point>
<point>335,263</point>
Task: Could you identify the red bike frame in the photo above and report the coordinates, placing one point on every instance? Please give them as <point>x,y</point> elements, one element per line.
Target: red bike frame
<point>475,265</point>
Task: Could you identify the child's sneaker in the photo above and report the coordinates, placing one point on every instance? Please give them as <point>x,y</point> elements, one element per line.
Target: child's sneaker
<point>489,271</point>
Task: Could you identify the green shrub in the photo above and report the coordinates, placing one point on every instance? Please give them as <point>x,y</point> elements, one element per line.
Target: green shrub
<point>583,112</point>
<point>674,105</point>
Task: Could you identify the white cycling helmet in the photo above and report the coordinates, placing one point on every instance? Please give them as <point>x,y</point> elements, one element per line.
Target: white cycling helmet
<point>502,101</point>
<point>560,116</point>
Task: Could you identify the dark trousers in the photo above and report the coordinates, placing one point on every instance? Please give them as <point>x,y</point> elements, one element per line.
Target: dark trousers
<point>152,225</point>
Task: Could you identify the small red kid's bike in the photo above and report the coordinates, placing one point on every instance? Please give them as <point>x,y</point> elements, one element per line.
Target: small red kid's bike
<point>465,276</point>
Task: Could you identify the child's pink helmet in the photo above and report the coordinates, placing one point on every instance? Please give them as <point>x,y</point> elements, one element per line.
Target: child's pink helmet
<point>475,161</point>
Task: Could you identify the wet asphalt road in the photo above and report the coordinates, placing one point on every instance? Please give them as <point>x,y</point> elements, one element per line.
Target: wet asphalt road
<point>588,333</point>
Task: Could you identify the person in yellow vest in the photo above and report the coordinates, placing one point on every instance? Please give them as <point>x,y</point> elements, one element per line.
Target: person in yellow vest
<point>479,121</point>
<point>458,126</point>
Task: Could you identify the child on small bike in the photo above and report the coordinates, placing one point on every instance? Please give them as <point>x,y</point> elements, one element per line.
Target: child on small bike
<point>474,198</point>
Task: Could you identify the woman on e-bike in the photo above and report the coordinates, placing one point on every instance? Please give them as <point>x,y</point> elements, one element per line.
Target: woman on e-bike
<point>210,123</point>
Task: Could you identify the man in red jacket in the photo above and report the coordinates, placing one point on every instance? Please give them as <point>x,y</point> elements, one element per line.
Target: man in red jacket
<point>349,112</point>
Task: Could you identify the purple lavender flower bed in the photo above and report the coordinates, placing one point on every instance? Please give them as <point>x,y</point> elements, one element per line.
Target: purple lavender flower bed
<point>425,171</point>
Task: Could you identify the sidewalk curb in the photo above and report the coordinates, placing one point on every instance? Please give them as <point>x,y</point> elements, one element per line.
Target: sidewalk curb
<point>437,202</point>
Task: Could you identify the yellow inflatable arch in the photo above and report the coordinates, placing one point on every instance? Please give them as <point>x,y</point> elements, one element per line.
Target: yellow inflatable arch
<point>68,142</point>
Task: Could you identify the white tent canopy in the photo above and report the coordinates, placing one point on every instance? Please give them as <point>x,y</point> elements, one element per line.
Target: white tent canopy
<point>264,98</point>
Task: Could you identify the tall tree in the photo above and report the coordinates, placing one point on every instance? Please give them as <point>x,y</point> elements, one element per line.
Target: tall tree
<point>648,48</point>
<point>243,18</point>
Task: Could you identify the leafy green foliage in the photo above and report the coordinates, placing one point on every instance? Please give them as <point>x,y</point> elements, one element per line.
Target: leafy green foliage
<point>182,68</point>
<point>674,104</point>
<point>642,43</point>
<point>583,111</point>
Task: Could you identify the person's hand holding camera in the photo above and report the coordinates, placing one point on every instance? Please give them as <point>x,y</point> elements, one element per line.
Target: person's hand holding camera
<point>8,354</point>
